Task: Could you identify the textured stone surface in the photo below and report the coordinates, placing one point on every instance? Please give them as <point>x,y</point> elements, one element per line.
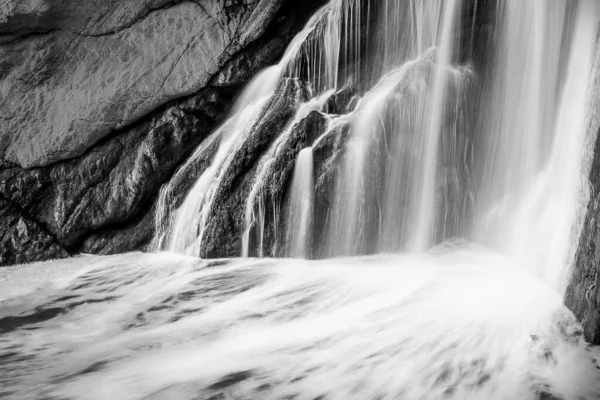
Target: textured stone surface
<point>103,201</point>
<point>89,17</point>
<point>93,68</point>
<point>23,240</point>
<point>112,182</point>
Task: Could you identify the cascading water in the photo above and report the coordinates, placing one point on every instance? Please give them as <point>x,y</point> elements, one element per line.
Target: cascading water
<point>256,218</point>
<point>184,233</point>
<point>536,124</point>
<point>389,127</point>
<point>301,199</point>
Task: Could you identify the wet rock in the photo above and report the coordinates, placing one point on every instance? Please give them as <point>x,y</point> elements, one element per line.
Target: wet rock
<point>343,101</point>
<point>136,235</point>
<point>112,182</point>
<point>544,395</point>
<point>23,240</point>
<point>478,32</point>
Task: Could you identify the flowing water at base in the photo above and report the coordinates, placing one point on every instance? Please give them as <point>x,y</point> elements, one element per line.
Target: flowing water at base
<point>456,323</point>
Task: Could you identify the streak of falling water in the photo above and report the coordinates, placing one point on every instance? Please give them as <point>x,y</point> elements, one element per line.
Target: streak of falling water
<point>408,29</point>
<point>406,108</point>
<point>519,123</point>
<point>301,206</point>
<point>351,194</point>
<point>422,238</point>
<point>543,228</point>
<point>535,179</point>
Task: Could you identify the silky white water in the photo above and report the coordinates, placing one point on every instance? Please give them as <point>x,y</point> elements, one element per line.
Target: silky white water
<point>298,233</point>
<point>539,138</point>
<point>454,190</point>
<point>166,326</point>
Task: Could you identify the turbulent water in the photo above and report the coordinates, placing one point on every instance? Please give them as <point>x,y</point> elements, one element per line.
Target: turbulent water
<point>453,324</point>
<point>388,129</point>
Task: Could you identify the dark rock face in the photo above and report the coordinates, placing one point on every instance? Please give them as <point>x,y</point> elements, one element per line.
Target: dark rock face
<point>103,201</point>
<point>23,240</point>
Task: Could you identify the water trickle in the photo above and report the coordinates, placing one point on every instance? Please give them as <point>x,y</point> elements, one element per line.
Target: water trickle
<point>422,237</point>
<point>301,206</point>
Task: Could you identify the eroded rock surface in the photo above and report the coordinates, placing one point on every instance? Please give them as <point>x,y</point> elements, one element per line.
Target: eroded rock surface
<point>23,240</point>
<point>72,72</point>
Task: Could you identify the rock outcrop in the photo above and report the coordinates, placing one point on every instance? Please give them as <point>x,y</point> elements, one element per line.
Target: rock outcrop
<point>101,103</point>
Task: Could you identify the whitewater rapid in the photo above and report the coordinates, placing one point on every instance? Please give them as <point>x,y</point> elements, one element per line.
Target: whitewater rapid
<point>458,322</point>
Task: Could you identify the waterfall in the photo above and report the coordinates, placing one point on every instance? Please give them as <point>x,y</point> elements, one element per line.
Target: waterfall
<point>301,204</point>
<point>421,136</point>
<point>184,232</point>
<point>421,238</point>
<point>546,216</point>
<point>405,190</point>
<point>254,216</point>
<point>537,132</point>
